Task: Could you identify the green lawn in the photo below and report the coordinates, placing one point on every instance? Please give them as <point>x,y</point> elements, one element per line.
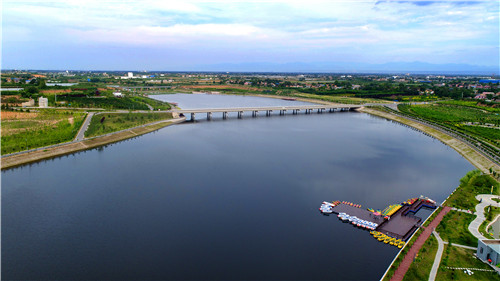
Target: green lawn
<point>111,122</point>
<point>460,257</point>
<point>454,228</point>
<point>422,264</point>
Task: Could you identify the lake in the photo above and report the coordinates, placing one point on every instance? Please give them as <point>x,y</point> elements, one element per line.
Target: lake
<point>223,199</point>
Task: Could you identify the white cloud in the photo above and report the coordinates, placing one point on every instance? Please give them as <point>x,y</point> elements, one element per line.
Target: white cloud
<point>362,28</point>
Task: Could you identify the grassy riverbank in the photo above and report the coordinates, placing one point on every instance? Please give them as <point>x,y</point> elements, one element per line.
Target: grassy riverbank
<point>106,123</point>
<point>34,156</point>
<point>471,185</point>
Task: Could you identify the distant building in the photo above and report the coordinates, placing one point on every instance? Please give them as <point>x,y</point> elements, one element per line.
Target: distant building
<point>43,102</point>
<point>483,95</point>
<point>130,75</point>
<point>489,251</point>
<point>118,94</point>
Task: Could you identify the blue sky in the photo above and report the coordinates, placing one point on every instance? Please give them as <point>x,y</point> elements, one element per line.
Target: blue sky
<point>186,35</point>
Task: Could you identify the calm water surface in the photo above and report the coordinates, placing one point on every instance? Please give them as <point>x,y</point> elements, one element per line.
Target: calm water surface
<point>224,199</point>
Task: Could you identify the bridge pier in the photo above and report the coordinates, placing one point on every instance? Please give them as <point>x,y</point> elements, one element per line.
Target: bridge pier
<point>209,115</point>
<point>224,115</point>
<point>268,112</point>
<point>331,110</point>
<point>282,112</point>
<point>240,114</point>
<point>192,116</point>
<point>254,113</point>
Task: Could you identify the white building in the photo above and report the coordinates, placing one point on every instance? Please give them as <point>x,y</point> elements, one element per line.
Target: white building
<point>43,102</point>
<point>130,75</point>
<point>118,94</point>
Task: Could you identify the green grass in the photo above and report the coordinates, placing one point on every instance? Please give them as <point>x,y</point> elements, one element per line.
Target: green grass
<point>460,257</point>
<point>455,115</point>
<point>451,114</point>
<point>454,228</point>
<point>103,102</point>
<point>422,264</point>
<point>471,185</point>
<point>113,122</point>
<point>491,134</point>
<point>18,124</point>
<point>338,99</point>
<point>48,128</point>
<point>472,104</point>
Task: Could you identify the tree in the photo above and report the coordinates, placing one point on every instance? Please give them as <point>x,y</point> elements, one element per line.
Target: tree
<point>29,91</point>
<point>41,83</point>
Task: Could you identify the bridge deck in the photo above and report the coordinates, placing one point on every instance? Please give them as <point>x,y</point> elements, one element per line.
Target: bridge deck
<point>273,108</point>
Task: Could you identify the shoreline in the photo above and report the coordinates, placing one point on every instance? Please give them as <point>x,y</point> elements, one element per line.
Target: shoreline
<point>18,159</point>
<point>53,151</point>
<point>472,156</point>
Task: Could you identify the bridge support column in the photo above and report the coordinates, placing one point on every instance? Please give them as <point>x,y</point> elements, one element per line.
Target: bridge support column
<point>209,115</point>
<point>268,112</point>
<point>192,116</point>
<point>240,114</point>
<point>224,115</point>
<point>254,113</point>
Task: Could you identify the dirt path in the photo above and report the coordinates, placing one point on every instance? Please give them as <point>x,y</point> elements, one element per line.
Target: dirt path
<point>412,253</point>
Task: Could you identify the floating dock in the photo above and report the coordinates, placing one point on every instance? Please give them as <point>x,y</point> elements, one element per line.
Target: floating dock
<point>396,222</point>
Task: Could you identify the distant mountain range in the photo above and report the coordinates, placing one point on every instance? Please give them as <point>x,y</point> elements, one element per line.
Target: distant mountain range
<point>342,67</point>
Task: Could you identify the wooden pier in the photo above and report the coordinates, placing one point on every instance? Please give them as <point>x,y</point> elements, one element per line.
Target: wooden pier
<point>400,225</point>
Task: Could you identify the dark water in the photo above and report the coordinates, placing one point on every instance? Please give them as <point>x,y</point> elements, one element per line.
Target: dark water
<point>220,200</point>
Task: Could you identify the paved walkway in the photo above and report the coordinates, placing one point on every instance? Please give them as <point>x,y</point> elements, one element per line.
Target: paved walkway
<point>486,200</point>
<point>437,259</point>
<point>461,246</point>
<point>463,211</point>
<point>412,253</point>
<point>81,134</point>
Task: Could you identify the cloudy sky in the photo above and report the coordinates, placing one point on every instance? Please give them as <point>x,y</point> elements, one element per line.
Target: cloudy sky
<point>187,35</point>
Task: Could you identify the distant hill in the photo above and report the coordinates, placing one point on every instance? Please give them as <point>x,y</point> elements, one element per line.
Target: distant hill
<point>392,67</point>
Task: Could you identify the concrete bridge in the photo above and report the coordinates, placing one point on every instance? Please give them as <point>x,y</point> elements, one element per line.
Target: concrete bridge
<point>307,109</point>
